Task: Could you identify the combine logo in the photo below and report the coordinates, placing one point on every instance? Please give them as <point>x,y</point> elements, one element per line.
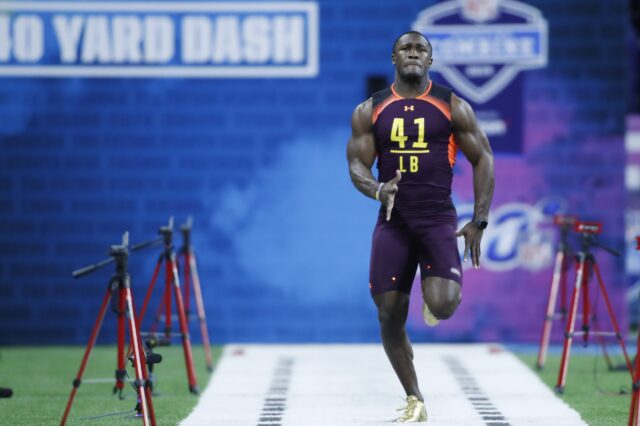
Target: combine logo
<point>480,46</point>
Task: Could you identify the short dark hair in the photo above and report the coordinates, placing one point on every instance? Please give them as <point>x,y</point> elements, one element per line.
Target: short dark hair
<point>393,49</point>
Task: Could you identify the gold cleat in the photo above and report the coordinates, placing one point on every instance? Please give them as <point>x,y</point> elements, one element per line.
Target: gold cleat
<point>428,317</point>
<point>413,412</point>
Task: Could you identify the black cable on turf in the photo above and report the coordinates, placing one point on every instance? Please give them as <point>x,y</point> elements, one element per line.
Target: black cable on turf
<point>101,416</point>
<point>117,413</point>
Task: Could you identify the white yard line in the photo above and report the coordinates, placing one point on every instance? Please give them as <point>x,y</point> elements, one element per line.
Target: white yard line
<point>311,385</point>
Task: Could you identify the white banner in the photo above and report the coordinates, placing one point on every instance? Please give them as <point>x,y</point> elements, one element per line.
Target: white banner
<point>176,39</point>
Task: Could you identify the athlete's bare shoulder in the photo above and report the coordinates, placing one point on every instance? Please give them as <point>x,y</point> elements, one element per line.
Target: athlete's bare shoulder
<point>361,120</point>
<point>361,148</point>
<point>468,134</point>
<point>462,115</point>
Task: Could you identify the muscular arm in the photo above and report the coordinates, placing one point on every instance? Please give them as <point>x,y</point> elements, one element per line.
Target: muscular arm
<point>361,150</point>
<point>475,146</point>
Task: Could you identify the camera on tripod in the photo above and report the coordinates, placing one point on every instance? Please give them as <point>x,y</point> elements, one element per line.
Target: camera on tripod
<point>592,228</point>
<point>119,293</point>
<point>587,269</point>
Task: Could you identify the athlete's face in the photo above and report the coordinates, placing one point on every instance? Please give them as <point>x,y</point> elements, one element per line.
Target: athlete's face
<point>412,56</point>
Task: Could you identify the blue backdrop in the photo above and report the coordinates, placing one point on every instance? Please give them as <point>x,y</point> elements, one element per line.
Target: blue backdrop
<point>281,235</point>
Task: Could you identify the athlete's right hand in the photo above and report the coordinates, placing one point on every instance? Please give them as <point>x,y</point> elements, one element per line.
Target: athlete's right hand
<point>388,193</point>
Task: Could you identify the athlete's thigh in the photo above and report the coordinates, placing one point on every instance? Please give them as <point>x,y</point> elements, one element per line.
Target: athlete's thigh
<point>438,249</point>
<point>393,258</point>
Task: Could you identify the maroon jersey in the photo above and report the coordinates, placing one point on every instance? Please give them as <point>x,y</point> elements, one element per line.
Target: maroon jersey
<point>415,137</point>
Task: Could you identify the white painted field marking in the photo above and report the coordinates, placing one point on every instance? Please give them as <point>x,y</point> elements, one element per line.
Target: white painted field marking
<point>319,385</point>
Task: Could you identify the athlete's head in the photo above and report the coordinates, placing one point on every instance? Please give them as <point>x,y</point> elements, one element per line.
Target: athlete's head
<point>411,55</point>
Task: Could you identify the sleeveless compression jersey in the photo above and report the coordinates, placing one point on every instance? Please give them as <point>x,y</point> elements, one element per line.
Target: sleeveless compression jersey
<point>415,136</point>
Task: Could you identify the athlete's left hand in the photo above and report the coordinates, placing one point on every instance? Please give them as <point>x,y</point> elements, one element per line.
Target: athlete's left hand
<point>472,237</point>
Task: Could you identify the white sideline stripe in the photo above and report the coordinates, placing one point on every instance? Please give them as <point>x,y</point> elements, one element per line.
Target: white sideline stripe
<point>355,385</point>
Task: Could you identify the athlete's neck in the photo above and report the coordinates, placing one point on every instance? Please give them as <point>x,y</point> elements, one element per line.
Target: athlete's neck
<point>411,88</point>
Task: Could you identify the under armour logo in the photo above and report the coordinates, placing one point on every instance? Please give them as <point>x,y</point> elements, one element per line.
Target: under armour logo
<point>408,108</point>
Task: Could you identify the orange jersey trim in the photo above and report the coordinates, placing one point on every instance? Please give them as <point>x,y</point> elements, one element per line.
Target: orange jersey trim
<point>378,110</point>
<point>395,97</point>
<point>426,92</point>
<point>453,150</point>
<point>443,107</point>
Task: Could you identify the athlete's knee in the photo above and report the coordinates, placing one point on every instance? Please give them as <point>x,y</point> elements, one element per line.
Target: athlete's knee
<point>391,320</point>
<point>444,311</point>
<point>442,296</point>
<point>444,308</point>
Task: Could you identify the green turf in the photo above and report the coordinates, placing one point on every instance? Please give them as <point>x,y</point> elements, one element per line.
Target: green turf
<point>41,380</point>
<point>591,389</point>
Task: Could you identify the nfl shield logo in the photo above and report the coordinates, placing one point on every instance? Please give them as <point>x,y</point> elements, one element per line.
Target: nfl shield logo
<point>479,10</point>
<point>480,46</point>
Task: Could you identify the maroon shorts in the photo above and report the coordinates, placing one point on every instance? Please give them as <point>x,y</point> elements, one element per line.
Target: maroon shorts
<point>410,240</point>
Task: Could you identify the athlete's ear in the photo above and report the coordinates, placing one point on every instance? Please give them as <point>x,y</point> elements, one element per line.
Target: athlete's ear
<point>393,58</point>
<point>430,61</point>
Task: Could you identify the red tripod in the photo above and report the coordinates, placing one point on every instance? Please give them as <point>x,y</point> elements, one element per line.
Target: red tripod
<point>120,287</point>
<point>191,277</point>
<point>564,256</point>
<point>634,412</point>
<point>586,267</point>
<point>168,257</point>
